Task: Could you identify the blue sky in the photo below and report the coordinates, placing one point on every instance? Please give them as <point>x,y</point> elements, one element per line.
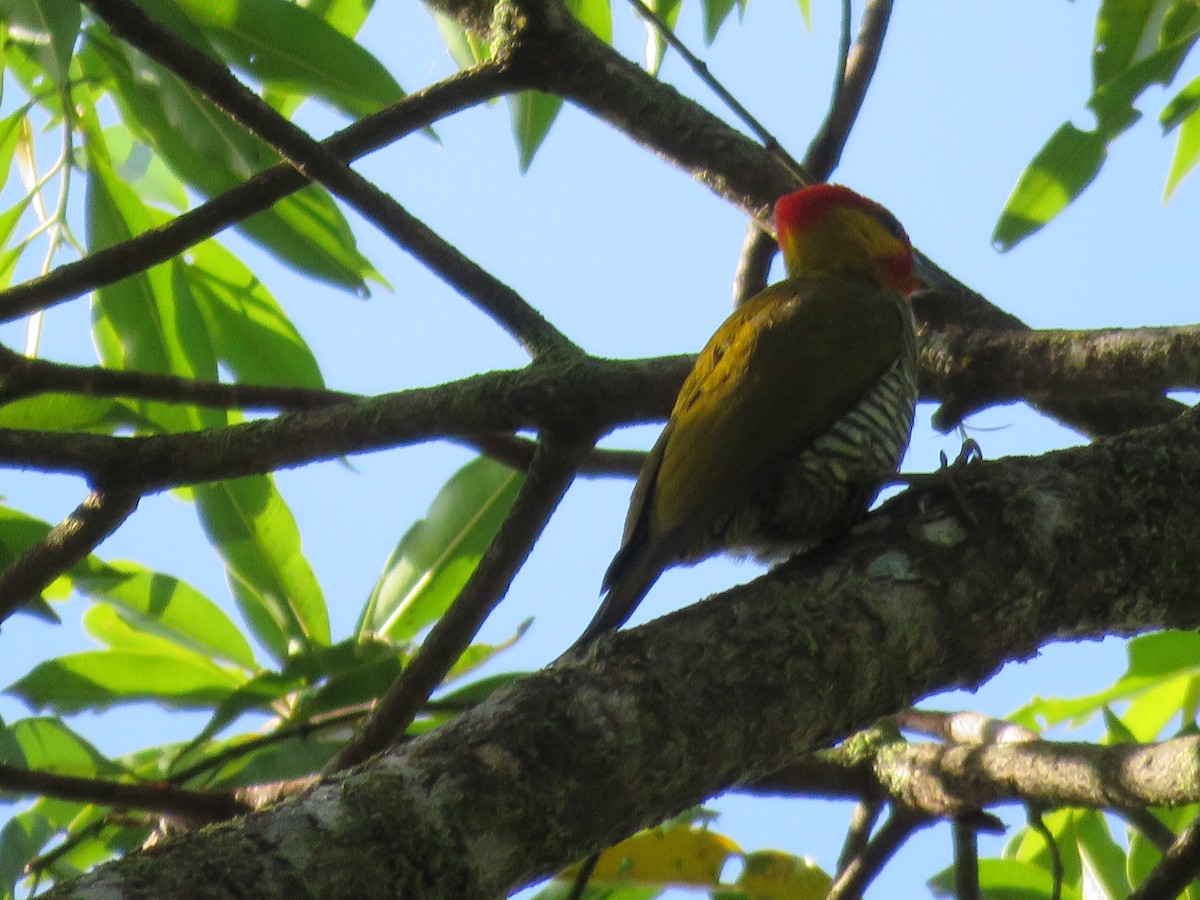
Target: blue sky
<point>632,258</point>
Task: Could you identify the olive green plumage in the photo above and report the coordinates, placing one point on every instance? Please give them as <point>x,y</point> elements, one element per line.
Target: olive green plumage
<point>797,409</point>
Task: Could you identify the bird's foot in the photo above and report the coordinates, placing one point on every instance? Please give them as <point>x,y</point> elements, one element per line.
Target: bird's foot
<point>946,476</point>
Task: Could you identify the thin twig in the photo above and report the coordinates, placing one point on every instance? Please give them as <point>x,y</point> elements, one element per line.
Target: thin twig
<point>166,799</point>
<point>22,376</point>
<point>754,263</point>
<point>68,542</point>
<point>518,452</point>
<point>1033,815</point>
<point>579,885</point>
<point>504,305</point>
<point>858,833</point>
<point>857,67</point>
<point>1178,868</point>
<point>1151,826</point>
<point>863,868</point>
<point>549,476</point>
<point>103,267</point>
<point>702,71</point>
<point>966,862</point>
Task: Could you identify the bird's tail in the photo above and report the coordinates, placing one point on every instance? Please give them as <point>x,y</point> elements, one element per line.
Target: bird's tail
<point>626,582</point>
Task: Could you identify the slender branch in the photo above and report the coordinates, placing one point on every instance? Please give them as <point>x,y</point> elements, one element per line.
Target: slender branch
<point>1178,868</point>
<point>103,267</point>
<point>518,452</point>
<point>850,89</point>
<point>963,727</point>
<point>68,542</point>
<point>858,834</point>
<point>22,376</point>
<point>966,862</point>
<point>595,395</point>
<point>754,263</point>
<point>1151,826</point>
<point>504,305</point>
<point>166,799</point>
<point>700,68</point>
<point>1033,815</point>
<point>862,869</point>
<point>550,473</point>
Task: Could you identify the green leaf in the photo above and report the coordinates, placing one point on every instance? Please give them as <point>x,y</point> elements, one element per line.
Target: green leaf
<point>282,761</point>
<point>252,336</point>
<point>1154,659</point>
<point>1102,857</point>
<point>596,15</point>
<point>21,839</point>
<point>98,679</point>
<point>144,322</point>
<point>656,46</point>
<point>48,28</point>
<point>1125,67</point>
<point>297,52</point>
<point>65,413</point>
<point>261,693</point>
<point>806,12</point>
<point>144,171</point>
<point>164,606</point>
<point>715,14</point>
<point>532,115</point>
<point>437,555</point>
<point>1122,27</point>
<point>212,154</point>
<point>1181,106</point>
<point>1005,879</point>
<point>47,745</point>
<point>1187,154</point>
<point>250,525</point>
<point>465,48</point>
<point>478,654</point>
<point>1059,172</point>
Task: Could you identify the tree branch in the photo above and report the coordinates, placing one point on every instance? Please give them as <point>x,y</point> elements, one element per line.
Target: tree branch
<point>1176,870</point>
<point>629,731</point>
<point>972,369</point>
<point>825,151</point>
<point>107,266</point>
<point>550,474</point>
<point>886,842</point>
<point>199,807</point>
<point>313,159</point>
<point>22,376</point>
<point>99,515</point>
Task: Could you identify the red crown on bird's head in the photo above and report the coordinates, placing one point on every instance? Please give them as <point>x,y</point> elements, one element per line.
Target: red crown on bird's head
<point>829,229</point>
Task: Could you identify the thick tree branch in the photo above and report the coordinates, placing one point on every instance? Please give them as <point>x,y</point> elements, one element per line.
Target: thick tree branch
<point>952,780</point>
<point>630,730</point>
<point>972,369</point>
<point>103,267</point>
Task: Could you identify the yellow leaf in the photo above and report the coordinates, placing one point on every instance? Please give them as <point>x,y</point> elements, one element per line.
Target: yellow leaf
<point>775,875</point>
<point>675,855</point>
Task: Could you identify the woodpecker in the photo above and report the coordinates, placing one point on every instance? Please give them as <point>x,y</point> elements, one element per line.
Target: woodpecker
<point>798,408</point>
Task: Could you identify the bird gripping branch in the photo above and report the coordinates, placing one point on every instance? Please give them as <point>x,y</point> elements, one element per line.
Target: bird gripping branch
<point>796,411</point>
